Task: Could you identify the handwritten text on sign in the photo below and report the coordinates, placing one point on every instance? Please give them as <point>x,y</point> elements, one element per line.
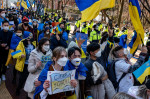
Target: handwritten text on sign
<point>60,81</point>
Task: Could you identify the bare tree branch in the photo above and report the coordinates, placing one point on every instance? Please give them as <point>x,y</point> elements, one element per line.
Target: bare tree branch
<point>145,17</point>
<point>145,6</point>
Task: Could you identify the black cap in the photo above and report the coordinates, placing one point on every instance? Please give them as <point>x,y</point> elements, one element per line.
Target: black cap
<point>148,84</point>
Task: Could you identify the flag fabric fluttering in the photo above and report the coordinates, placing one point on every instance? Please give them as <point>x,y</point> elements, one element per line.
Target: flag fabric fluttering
<point>135,14</point>
<point>25,4</point>
<point>123,40</point>
<point>90,8</point>
<point>142,72</point>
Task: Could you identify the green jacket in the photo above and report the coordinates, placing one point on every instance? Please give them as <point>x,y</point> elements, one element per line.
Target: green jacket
<point>94,36</point>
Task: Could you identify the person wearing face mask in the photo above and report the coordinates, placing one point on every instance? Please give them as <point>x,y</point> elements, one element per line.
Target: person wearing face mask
<point>58,63</point>
<point>25,47</point>
<point>58,39</point>
<point>37,60</point>
<point>2,16</point>
<point>16,38</point>
<point>25,25</point>
<point>96,56</point>
<point>5,40</point>
<point>74,55</point>
<point>126,68</point>
<point>45,34</point>
<point>95,35</point>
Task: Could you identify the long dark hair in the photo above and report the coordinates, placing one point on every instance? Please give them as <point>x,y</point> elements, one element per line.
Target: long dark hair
<point>41,42</point>
<point>25,42</point>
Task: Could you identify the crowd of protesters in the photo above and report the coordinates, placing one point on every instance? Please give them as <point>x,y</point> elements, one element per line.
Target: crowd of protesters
<point>35,44</point>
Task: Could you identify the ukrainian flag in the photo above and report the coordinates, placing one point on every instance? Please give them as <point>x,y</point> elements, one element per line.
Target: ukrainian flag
<point>142,72</point>
<point>25,4</point>
<point>16,54</point>
<point>135,13</point>
<point>90,8</point>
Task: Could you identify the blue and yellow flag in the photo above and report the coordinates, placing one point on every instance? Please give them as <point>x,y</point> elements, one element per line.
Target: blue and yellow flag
<point>142,72</point>
<point>135,13</point>
<point>25,4</point>
<point>16,54</point>
<point>90,8</point>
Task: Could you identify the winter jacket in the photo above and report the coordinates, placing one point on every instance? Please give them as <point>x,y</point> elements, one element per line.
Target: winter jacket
<point>20,61</point>
<point>36,56</point>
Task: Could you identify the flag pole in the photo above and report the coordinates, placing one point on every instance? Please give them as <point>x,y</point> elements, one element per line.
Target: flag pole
<point>141,40</point>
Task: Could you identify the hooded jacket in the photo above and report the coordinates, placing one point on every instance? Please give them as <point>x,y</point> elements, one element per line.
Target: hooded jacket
<point>21,61</point>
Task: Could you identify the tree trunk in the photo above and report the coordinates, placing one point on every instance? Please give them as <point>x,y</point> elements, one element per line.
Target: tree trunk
<point>52,5</point>
<point>47,6</point>
<point>121,11</point>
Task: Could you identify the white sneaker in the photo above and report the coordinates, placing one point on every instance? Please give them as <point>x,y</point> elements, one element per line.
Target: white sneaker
<point>3,77</point>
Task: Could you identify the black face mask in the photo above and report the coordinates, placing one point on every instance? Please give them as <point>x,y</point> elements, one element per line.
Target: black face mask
<point>26,24</point>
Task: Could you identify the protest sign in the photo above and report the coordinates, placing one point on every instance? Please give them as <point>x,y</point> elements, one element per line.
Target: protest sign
<point>60,81</point>
<point>82,42</point>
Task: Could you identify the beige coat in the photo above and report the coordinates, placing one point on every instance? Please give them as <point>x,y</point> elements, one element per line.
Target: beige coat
<point>34,72</point>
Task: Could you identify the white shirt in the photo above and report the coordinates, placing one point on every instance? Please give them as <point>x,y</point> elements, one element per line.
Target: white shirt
<point>122,67</point>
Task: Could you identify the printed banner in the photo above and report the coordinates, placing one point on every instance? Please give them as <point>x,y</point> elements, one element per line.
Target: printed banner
<point>60,81</point>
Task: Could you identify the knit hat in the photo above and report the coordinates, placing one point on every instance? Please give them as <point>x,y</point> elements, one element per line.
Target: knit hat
<point>25,19</point>
<point>27,34</point>
<point>148,84</point>
<point>47,28</point>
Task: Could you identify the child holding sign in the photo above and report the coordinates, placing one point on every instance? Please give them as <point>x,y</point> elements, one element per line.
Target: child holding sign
<point>59,61</point>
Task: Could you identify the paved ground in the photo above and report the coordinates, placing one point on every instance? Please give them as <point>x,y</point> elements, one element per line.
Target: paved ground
<point>4,94</point>
<point>12,87</point>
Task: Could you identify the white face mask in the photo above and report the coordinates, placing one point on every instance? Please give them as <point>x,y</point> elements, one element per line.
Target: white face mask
<point>19,34</point>
<point>39,21</point>
<point>6,28</point>
<point>46,48</point>
<point>98,54</point>
<point>34,24</point>
<point>3,15</point>
<point>47,32</point>
<point>125,51</point>
<point>62,61</point>
<point>76,61</point>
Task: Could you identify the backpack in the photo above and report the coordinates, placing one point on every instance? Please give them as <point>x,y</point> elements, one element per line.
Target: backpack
<point>112,75</point>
